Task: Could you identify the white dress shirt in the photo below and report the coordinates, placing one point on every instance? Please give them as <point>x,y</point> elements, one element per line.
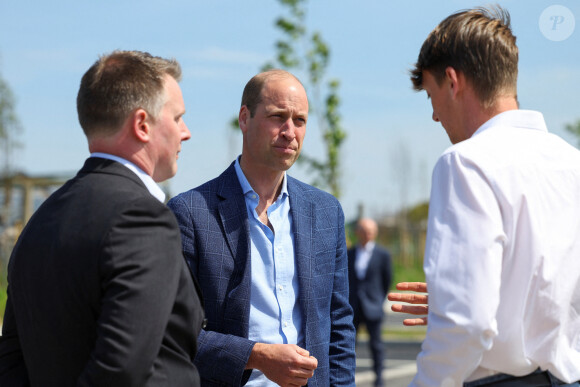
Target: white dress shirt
<point>502,259</point>
<point>363,257</point>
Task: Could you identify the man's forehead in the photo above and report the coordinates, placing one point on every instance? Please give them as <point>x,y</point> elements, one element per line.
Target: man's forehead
<point>284,105</point>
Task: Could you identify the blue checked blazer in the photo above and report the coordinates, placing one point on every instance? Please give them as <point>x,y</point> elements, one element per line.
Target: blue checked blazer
<point>214,226</point>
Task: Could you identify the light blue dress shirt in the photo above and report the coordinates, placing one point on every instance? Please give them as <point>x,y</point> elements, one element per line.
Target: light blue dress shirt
<point>275,315</point>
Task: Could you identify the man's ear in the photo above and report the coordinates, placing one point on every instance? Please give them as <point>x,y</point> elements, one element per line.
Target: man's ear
<point>455,80</point>
<point>140,125</point>
<point>243,117</point>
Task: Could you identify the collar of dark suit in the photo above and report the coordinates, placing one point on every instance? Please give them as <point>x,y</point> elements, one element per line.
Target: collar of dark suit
<point>111,167</point>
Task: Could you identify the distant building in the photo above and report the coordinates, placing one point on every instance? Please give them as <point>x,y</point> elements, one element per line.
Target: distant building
<point>20,196</point>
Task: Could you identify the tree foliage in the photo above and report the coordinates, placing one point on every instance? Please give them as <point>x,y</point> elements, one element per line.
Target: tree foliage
<point>419,213</point>
<point>9,127</point>
<point>305,52</point>
<point>575,130</point>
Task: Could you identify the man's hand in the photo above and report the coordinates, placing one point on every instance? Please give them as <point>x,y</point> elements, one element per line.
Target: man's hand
<point>284,364</point>
<point>420,302</point>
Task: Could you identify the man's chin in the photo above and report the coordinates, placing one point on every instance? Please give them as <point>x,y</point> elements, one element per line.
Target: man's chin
<point>288,163</point>
<point>165,175</point>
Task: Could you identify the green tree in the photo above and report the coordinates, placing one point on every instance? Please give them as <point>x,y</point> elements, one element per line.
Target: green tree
<point>9,129</point>
<point>300,50</point>
<point>575,130</point>
<point>9,126</point>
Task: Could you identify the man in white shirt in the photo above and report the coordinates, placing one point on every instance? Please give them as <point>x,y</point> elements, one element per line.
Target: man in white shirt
<point>503,240</point>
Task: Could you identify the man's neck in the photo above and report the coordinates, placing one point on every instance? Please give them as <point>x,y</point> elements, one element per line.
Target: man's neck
<point>120,145</point>
<point>477,116</point>
<point>266,182</point>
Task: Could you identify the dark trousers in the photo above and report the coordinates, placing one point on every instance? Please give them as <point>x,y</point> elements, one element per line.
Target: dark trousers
<point>375,342</point>
<point>535,379</point>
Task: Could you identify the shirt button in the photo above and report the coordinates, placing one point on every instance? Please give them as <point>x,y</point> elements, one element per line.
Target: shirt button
<point>285,324</point>
<point>281,287</point>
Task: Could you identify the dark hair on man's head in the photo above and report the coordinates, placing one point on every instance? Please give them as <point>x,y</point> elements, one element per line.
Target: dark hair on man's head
<point>252,95</point>
<point>478,43</point>
<point>119,83</point>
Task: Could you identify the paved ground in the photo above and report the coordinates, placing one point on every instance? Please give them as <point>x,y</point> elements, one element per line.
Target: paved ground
<point>400,366</point>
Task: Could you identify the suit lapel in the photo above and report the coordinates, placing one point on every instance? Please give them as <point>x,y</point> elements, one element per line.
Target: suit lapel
<point>234,219</point>
<point>303,227</point>
<point>373,263</point>
<point>233,213</point>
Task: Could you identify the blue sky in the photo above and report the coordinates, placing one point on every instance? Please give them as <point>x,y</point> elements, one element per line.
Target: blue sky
<point>392,144</point>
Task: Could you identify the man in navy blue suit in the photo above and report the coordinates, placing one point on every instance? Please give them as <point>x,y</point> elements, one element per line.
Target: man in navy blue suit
<point>270,256</point>
<point>369,268</point>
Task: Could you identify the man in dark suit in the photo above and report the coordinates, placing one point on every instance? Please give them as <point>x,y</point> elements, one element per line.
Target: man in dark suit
<point>99,292</point>
<point>369,268</point>
<point>269,253</point>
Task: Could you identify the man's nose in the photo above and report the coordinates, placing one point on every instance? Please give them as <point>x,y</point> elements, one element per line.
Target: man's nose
<point>435,117</point>
<point>289,129</point>
<point>185,133</point>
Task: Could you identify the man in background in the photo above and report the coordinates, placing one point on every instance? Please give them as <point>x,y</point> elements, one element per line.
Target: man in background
<point>503,239</point>
<point>370,273</point>
<point>269,253</point>
<point>99,293</point>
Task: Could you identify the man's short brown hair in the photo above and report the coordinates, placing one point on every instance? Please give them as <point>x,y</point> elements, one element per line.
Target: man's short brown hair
<point>252,95</point>
<point>478,43</point>
<point>119,83</point>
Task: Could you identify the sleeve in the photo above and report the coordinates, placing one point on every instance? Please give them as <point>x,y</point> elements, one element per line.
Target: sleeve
<point>220,358</point>
<point>139,269</point>
<point>342,336</point>
<point>13,370</point>
<point>463,260</point>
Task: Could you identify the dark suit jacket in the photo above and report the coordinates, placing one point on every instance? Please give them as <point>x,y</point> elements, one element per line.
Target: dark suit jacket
<point>99,292</point>
<point>215,234</point>
<point>367,296</point>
